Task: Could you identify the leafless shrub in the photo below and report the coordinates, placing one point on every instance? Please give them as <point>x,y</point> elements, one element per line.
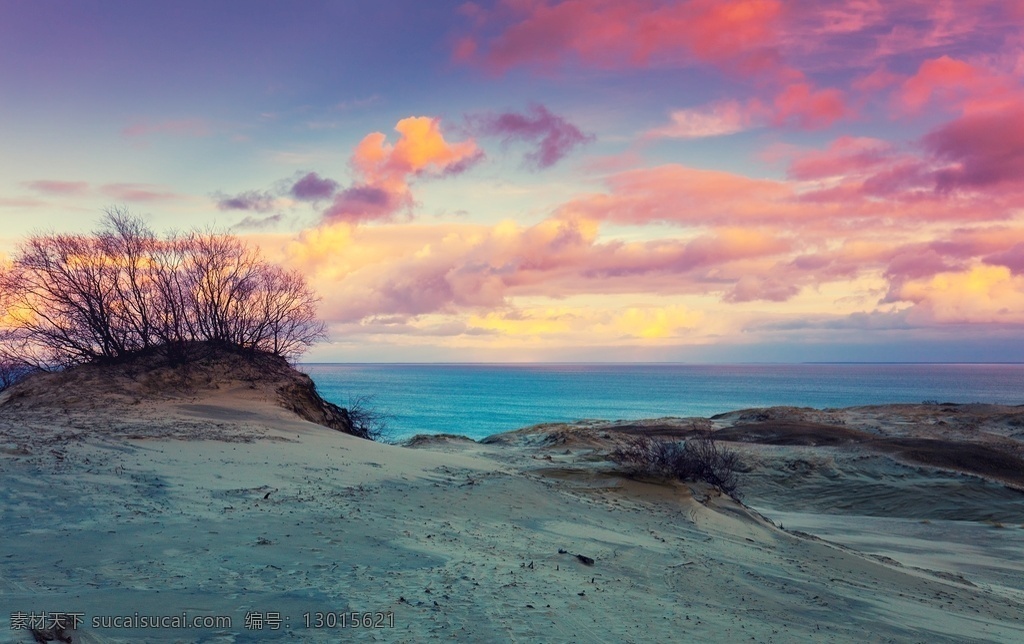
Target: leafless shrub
<point>713,464</point>
<point>9,374</point>
<point>697,459</point>
<point>69,299</point>
<point>12,367</point>
<point>368,421</point>
<point>649,457</point>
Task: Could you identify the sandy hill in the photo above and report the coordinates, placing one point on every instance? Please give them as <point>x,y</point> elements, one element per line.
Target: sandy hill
<point>138,488</point>
<point>210,382</point>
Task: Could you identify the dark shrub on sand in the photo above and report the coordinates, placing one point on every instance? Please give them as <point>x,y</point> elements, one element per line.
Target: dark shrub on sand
<point>699,458</point>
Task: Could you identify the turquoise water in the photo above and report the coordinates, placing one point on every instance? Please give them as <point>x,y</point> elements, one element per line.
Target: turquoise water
<point>478,400</point>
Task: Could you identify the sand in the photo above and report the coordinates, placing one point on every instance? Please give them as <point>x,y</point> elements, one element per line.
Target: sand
<point>221,503</point>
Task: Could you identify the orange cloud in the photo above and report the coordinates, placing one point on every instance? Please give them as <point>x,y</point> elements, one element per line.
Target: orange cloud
<point>534,323</point>
<point>535,285</point>
<point>654,323</point>
<point>420,149</point>
<point>412,270</point>
<point>860,226</point>
<point>383,170</point>
<point>981,294</point>
<point>580,322</point>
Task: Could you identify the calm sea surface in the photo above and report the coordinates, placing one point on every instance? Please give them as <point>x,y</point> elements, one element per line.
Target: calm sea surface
<point>478,400</point>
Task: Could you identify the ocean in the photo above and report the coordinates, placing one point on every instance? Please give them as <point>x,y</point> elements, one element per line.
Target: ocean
<point>478,400</point>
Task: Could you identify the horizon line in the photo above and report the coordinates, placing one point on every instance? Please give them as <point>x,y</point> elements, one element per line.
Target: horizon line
<point>670,363</point>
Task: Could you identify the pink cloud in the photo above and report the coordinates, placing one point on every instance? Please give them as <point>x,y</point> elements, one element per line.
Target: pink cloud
<point>980,156</point>
<point>735,34</point>
<point>182,127</point>
<point>897,227</point>
<point>923,26</point>
<point>748,37</point>
<point>726,31</point>
<point>783,49</point>
<point>414,269</point>
<point>554,136</point>
<point>991,240</point>
<point>6,202</point>
<point>982,150</point>
<point>59,188</point>
<point>1012,258</point>
<point>797,104</point>
<point>959,86</point>
<point>907,179</point>
<point>916,261</point>
<point>130,192</point>
<point>879,79</point>
<point>802,105</point>
<point>940,78</point>
<point>841,18</point>
<point>683,195</point>
<point>771,247</point>
<point>756,287</point>
<point>845,156</point>
<point>717,119</point>
<point>853,182</point>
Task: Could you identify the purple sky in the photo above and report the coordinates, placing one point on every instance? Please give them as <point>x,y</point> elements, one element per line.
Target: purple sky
<point>698,180</point>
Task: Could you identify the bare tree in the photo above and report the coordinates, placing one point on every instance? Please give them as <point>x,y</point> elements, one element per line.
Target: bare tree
<point>129,246</point>
<point>57,298</point>
<point>171,323</point>
<point>284,313</point>
<point>220,273</point>
<point>68,299</point>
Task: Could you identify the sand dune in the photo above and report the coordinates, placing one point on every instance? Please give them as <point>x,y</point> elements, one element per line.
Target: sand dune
<point>220,501</point>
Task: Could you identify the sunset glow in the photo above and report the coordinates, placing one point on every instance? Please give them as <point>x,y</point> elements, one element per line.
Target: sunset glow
<point>564,180</point>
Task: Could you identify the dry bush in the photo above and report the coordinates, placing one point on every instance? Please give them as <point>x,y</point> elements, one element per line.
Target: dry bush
<point>367,420</point>
<point>9,374</point>
<point>71,299</point>
<point>16,359</point>
<point>697,459</point>
<point>13,369</point>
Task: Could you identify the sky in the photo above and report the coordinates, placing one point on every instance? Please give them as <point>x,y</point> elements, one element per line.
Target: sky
<point>555,180</point>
